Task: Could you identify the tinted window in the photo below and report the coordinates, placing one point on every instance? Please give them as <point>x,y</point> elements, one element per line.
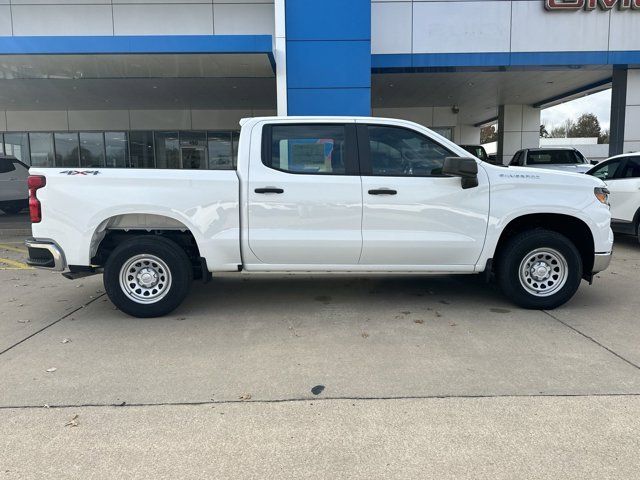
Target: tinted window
<point>318,149</point>
<point>66,149</point>
<point>91,149</point>
<point>220,151</point>
<point>142,149</point>
<point>606,171</point>
<point>41,149</point>
<point>632,168</point>
<point>167,150</point>
<point>517,159</point>
<point>401,152</point>
<point>116,147</point>
<point>6,165</point>
<point>552,157</point>
<point>17,144</point>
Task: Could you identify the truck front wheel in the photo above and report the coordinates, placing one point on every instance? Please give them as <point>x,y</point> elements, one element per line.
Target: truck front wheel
<point>539,269</point>
<point>147,276</point>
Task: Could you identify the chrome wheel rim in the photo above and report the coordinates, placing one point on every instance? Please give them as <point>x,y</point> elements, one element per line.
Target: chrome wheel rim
<point>145,279</point>
<point>543,272</point>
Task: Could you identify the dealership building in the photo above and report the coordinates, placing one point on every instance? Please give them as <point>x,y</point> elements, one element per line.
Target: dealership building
<point>163,83</point>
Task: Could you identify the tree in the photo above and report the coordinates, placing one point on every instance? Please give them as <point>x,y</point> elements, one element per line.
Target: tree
<point>488,134</point>
<point>558,132</point>
<point>603,137</point>
<point>587,125</point>
<point>543,132</point>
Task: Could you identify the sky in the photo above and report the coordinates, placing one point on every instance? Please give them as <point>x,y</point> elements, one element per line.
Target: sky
<point>598,104</point>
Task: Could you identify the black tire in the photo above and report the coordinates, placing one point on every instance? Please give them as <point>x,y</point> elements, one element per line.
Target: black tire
<point>178,278</point>
<point>549,292</point>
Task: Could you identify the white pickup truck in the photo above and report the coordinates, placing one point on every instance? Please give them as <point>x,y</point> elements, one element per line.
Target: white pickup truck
<point>322,194</point>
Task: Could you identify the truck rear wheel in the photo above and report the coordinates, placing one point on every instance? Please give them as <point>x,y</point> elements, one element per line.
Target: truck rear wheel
<point>147,276</point>
<point>539,269</point>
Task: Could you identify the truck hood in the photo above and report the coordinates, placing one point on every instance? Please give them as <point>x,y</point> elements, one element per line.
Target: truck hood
<point>517,175</point>
<point>573,168</point>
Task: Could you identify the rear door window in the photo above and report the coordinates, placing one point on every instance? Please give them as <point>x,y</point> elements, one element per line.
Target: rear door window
<point>308,149</point>
<point>631,168</point>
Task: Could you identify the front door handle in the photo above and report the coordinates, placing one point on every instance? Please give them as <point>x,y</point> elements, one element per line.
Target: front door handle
<point>383,191</point>
<point>269,190</point>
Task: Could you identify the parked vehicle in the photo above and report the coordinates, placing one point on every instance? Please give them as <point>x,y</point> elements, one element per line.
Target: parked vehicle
<point>566,159</point>
<point>13,184</point>
<point>477,151</point>
<point>322,194</point>
<point>622,176</point>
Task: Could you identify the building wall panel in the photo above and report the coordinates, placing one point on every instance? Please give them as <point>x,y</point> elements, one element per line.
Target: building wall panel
<point>463,27</point>
<point>62,20</point>
<point>243,19</point>
<point>160,119</point>
<point>391,27</point>
<point>534,29</point>
<point>34,121</point>
<point>99,120</point>
<point>163,19</point>
<point>5,20</point>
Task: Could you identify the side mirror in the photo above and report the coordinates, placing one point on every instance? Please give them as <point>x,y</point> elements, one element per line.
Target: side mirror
<point>466,168</point>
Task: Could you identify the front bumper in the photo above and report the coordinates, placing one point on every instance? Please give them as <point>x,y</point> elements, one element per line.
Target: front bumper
<point>601,262</point>
<point>45,254</point>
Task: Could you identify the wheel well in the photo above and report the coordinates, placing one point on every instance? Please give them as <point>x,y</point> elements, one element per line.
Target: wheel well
<point>118,229</point>
<point>571,227</point>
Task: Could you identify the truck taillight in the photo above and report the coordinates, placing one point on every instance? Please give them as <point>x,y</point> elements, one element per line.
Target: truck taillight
<point>35,182</point>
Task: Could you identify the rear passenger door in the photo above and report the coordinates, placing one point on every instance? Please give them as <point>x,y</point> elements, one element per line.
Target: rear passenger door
<point>305,197</point>
<point>414,217</point>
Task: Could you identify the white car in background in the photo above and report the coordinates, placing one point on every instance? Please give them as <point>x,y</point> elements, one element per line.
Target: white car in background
<point>622,176</point>
<point>565,159</point>
<point>14,193</point>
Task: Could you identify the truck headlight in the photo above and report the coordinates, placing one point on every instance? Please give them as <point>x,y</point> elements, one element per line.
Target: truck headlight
<point>602,194</point>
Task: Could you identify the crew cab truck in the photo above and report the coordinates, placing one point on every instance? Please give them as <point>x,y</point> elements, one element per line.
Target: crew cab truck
<point>322,194</point>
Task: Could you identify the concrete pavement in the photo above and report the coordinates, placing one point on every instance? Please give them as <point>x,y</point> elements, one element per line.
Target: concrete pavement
<point>223,387</point>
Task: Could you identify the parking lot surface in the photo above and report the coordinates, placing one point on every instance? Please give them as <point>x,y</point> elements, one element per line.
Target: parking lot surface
<point>307,377</point>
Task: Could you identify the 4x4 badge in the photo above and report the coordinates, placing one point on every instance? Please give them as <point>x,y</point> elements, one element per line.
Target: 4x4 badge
<point>81,172</point>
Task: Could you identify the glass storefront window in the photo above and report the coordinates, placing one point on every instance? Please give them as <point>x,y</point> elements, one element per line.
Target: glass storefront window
<point>235,138</point>
<point>220,153</point>
<point>117,149</point>
<point>193,150</point>
<point>167,150</point>
<point>41,149</point>
<point>1,144</point>
<point>66,149</point>
<point>17,144</point>
<point>91,149</point>
<point>141,148</point>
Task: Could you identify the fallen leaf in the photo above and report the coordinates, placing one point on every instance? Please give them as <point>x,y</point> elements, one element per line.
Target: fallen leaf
<point>419,321</point>
<point>73,422</point>
<point>65,340</point>
<point>246,396</point>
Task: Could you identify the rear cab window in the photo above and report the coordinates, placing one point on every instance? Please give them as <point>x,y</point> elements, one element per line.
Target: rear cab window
<point>552,157</point>
<point>312,149</point>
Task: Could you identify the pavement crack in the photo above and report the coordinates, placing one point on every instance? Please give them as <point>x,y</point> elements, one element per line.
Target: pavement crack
<point>315,400</point>
<point>66,315</point>
<point>592,340</point>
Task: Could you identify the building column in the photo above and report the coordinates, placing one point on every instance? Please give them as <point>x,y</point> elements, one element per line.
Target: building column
<point>328,57</point>
<point>624,130</point>
<point>518,127</point>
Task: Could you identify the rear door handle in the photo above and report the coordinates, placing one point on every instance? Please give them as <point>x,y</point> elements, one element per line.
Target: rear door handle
<point>383,191</point>
<point>269,190</point>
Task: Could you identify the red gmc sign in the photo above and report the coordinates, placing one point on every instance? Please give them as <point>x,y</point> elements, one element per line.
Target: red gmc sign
<point>571,5</point>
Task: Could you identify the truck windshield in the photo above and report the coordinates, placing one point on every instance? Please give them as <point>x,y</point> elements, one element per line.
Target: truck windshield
<point>552,157</point>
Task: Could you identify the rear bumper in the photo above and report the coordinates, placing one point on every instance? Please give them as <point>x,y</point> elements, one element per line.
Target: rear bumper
<point>601,261</point>
<point>45,254</point>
